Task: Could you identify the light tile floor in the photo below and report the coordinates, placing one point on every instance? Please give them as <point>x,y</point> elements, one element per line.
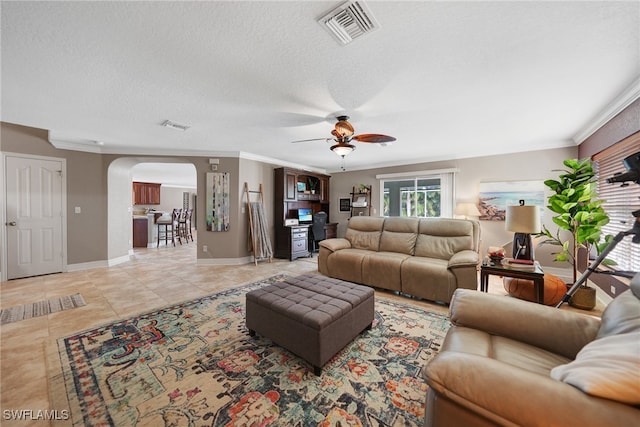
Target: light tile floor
<point>153,278</point>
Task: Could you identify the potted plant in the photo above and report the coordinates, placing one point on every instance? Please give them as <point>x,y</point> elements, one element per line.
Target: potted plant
<point>580,212</point>
<point>313,184</point>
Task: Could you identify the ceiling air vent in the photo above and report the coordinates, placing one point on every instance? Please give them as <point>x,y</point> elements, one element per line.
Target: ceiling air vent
<point>349,21</point>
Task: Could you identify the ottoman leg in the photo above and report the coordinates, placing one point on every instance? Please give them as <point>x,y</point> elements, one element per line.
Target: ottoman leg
<point>252,333</point>
<point>317,371</point>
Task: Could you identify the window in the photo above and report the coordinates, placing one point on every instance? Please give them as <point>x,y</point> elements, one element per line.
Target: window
<point>417,194</point>
<point>620,202</point>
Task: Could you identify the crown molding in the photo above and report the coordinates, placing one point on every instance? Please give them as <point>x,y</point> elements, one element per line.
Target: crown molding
<point>622,101</point>
<point>63,142</point>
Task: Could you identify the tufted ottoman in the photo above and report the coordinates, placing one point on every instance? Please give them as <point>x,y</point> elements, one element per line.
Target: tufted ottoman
<point>311,315</point>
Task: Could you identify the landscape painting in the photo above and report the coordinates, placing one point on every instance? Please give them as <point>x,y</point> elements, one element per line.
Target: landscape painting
<point>496,196</point>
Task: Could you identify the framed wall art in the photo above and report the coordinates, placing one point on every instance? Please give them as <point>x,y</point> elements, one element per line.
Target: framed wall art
<point>345,204</point>
<point>218,205</point>
<point>496,196</point>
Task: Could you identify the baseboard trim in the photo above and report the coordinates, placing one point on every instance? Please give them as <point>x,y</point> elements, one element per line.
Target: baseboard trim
<point>87,265</point>
<point>224,261</point>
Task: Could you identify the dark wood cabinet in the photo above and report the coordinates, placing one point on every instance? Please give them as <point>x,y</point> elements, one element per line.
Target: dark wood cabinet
<point>324,190</point>
<point>295,189</point>
<point>290,186</point>
<point>140,232</point>
<point>146,193</point>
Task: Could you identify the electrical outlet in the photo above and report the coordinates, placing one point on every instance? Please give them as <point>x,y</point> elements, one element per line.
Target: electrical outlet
<point>613,290</point>
<point>205,248</point>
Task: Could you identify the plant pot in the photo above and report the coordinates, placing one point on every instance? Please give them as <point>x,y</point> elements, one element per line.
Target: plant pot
<point>584,298</point>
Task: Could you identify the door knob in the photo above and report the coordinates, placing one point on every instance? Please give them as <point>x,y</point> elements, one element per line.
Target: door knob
<point>13,223</point>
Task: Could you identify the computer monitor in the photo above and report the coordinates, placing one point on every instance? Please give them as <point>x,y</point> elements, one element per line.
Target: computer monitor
<point>305,215</point>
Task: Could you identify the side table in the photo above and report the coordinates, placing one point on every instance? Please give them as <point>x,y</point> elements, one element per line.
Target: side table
<point>533,273</point>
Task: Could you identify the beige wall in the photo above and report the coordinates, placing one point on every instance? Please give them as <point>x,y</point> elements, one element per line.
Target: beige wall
<point>86,188</point>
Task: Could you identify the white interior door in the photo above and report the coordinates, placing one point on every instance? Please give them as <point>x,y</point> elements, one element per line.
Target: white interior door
<point>34,216</point>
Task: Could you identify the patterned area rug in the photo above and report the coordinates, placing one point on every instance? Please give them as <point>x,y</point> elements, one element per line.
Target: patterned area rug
<point>40,308</point>
<point>194,364</point>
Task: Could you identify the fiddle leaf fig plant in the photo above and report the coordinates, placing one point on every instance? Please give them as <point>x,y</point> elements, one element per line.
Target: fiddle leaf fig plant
<point>578,211</point>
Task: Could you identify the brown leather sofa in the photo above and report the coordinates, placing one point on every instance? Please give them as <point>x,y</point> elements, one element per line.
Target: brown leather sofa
<point>509,362</point>
<point>424,257</point>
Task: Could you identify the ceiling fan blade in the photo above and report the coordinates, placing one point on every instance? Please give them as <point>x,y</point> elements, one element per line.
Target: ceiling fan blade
<point>313,139</point>
<point>373,138</point>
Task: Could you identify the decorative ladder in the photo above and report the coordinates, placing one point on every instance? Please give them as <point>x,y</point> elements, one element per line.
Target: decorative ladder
<point>260,242</point>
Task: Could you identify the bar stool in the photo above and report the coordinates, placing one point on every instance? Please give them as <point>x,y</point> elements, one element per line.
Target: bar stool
<point>186,225</point>
<point>166,230</point>
<point>177,224</point>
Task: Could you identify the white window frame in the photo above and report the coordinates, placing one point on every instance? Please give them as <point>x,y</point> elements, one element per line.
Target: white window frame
<point>447,186</point>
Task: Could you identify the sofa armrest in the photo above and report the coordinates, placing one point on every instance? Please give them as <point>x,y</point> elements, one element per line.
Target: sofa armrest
<point>508,395</point>
<point>466,258</point>
<point>335,244</point>
<point>559,331</point>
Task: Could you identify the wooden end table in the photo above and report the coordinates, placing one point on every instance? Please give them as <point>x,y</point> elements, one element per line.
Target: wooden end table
<point>533,273</point>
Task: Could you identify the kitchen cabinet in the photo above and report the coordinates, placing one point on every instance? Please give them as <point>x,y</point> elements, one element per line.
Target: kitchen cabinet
<point>146,193</point>
<point>140,232</point>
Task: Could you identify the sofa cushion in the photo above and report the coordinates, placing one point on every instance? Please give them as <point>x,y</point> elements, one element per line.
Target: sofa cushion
<point>524,356</point>
<point>399,235</point>
<point>364,232</point>
<point>382,270</point>
<point>441,238</point>
<point>427,278</point>
<point>608,367</point>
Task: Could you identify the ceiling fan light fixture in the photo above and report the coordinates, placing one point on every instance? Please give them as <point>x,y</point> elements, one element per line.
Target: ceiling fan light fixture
<point>343,149</point>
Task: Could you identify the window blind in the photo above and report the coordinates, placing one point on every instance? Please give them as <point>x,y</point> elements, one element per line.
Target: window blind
<point>620,201</point>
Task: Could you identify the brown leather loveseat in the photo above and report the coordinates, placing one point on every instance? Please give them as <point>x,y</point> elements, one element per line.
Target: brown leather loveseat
<point>424,257</point>
<point>509,362</point>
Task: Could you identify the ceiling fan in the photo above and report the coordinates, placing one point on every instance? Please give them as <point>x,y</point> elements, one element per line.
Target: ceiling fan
<point>343,134</point>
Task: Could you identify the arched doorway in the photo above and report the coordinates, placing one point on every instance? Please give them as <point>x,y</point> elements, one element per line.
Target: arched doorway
<point>119,189</point>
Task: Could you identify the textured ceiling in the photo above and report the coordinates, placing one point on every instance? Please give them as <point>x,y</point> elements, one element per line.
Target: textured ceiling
<point>447,79</point>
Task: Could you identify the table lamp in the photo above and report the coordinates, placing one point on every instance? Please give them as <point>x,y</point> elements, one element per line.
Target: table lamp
<point>523,221</point>
<point>467,210</point>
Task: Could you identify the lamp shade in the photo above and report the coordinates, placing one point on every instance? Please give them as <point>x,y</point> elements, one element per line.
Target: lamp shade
<point>523,219</point>
<point>467,209</point>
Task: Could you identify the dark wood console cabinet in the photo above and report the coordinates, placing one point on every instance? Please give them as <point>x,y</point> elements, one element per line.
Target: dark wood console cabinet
<point>295,189</point>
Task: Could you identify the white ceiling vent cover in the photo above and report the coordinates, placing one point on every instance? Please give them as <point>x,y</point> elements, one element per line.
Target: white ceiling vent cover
<point>349,21</point>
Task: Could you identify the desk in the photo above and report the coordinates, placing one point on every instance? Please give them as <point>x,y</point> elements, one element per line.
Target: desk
<point>533,273</point>
<point>298,241</point>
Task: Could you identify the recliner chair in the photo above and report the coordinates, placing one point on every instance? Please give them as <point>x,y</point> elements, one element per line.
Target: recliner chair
<point>507,362</point>
<point>317,228</point>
